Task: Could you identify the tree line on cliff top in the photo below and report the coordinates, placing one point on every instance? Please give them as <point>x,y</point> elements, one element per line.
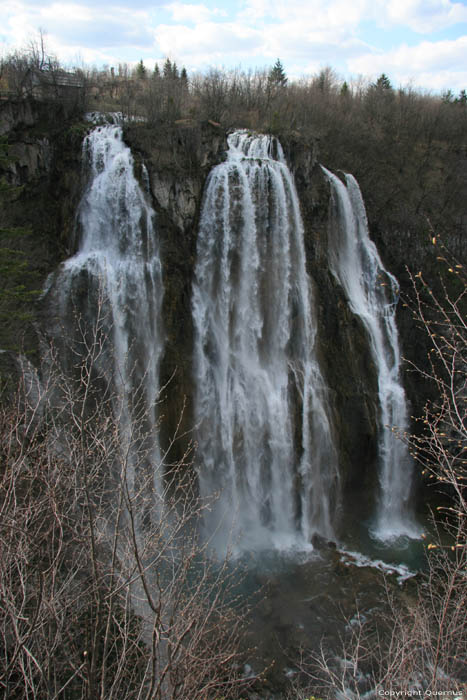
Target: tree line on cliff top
<point>405,146</point>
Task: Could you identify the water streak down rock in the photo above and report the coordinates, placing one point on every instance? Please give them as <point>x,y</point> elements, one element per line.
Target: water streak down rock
<point>107,298</point>
<point>372,294</point>
<point>265,433</point>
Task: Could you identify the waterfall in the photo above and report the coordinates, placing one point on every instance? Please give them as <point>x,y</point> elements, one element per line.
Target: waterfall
<point>108,296</point>
<point>264,428</point>
<point>372,293</point>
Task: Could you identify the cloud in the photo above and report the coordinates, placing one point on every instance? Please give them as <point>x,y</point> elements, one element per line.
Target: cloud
<point>94,33</point>
<point>435,64</point>
<point>218,40</point>
<point>295,39</point>
<point>423,16</point>
<point>296,31</point>
<point>194,14</point>
<point>317,13</point>
<point>69,12</point>
<point>29,5</point>
<point>99,29</point>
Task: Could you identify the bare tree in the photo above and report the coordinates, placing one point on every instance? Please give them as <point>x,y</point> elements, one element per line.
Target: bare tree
<point>106,589</point>
<point>441,445</point>
<point>419,644</point>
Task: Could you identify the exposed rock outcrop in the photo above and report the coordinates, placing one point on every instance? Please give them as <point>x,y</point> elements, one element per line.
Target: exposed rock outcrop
<point>173,163</point>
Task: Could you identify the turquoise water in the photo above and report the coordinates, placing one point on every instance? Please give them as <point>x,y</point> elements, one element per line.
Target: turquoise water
<point>302,596</point>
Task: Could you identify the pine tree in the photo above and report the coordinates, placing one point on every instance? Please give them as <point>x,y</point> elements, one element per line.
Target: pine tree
<point>447,97</point>
<point>141,72</point>
<point>383,83</point>
<point>277,76</point>
<point>167,70</point>
<point>344,89</point>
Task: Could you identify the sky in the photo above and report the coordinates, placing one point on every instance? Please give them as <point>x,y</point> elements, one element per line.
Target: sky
<point>422,43</point>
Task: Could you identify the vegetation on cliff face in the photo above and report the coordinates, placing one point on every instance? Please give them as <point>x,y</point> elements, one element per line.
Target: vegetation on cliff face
<point>42,176</point>
<point>14,296</point>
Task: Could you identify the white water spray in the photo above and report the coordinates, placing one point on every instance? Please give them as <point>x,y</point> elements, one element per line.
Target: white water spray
<point>113,284</point>
<point>265,435</point>
<point>372,293</point>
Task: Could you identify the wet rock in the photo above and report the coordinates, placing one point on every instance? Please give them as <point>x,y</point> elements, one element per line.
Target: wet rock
<point>320,542</point>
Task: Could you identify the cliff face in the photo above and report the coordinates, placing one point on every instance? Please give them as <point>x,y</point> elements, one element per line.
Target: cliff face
<point>45,161</point>
<point>343,342</point>
<point>178,160</point>
<point>43,171</point>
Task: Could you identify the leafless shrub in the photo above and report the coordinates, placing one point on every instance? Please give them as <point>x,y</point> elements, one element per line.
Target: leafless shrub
<point>105,589</point>
<point>416,644</point>
<point>441,446</point>
<point>419,643</point>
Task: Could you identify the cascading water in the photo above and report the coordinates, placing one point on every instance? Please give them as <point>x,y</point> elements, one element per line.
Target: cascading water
<point>265,435</point>
<point>112,287</point>
<point>372,294</point>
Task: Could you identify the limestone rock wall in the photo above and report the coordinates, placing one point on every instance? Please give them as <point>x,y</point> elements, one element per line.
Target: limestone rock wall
<point>178,160</point>
<point>343,343</point>
<point>43,170</point>
<point>173,163</point>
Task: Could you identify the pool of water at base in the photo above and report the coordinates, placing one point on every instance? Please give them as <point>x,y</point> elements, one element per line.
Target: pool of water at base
<point>303,597</point>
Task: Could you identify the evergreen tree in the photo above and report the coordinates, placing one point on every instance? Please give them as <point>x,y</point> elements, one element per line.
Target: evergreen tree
<point>447,97</point>
<point>326,80</point>
<point>345,89</point>
<point>167,70</point>
<point>156,73</point>
<point>383,83</point>
<point>141,72</point>
<point>277,76</point>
